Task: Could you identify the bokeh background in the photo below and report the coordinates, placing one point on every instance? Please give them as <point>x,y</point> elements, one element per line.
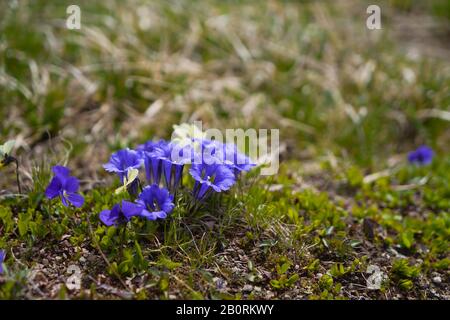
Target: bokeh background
<point>310,68</point>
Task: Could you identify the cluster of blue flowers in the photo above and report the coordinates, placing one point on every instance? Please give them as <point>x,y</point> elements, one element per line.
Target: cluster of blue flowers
<point>214,166</point>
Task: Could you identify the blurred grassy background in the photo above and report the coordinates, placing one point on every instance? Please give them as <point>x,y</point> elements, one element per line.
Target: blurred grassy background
<point>349,103</point>
<point>310,68</point>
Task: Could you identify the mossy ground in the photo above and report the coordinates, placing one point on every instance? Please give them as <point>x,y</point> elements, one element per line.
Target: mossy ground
<point>349,103</point>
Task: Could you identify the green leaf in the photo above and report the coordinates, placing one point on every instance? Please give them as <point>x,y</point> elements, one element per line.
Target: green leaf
<point>23,222</point>
<point>407,239</point>
<point>326,282</point>
<point>406,284</point>
<point>131,176</point>
<point>169,264</point>
<point>284,268</point>
<point>293,279</point>
<point>275,284</point>
<point>164,284</point>
<point>139,258</point>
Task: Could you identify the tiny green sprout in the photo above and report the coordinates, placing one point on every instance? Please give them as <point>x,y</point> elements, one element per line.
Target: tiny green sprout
<point>6,159</point>
<point>131,176</point>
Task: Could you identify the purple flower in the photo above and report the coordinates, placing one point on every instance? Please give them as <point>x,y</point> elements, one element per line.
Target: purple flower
<point>119,214</point>
<point>122,161</point>
<point>229,155</point>
<point>152,203</point>
<point>64,186</point>
<point>240,162</point>
<point>149,146</point>
<point>170,159</point>
<point>208,152</point>
<point>153,165</point>
<point>214,176</point>
<point>421,156</point>
<point>2,258</point>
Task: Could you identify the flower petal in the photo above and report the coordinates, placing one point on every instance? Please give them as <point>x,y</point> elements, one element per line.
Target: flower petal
<point>64,200</point>
<point>165,201</point>
<point>71,184</point>
<point>110,167</point>
<point>130,209</point>
<point>148,215</point>
<point>196,172</point>
<point>54,188</point>
<point>111,217</point>
<point>108,218</point>
<point>2,258</point>
<point>203,188</point>
<point>160,214</point>
<point>61,171</point>
<point>76,199</point>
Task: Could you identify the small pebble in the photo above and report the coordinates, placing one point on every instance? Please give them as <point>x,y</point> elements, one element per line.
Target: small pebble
<point>247,288</point>
<point>437,279</point>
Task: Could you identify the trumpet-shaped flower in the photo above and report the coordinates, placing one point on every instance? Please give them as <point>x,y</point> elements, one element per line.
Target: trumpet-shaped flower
<point>170,159</point>
<point>421,156</point>
<point>120,213</point>
<point>227,154</point>
<point>215,177</point>
<point>148,146</point>
<point>2,258</point>
<point>64,186</point>
<point>122,161</point>
<point>153,165</point>
<point>152,203</point>
<point>239,161</point>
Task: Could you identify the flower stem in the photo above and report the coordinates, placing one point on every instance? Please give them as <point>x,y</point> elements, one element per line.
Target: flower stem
<point>17,175</point>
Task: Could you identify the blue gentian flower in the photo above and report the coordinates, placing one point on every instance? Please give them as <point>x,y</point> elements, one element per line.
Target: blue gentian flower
<point>122,161</point>
<point>148,146</point>
<point>215,177</point>
<point>64,186</point>
<point>153,165</point>
<point>152,203</point>
<point>228,154</point>
<point>151,145</point>
<point>208,152</point>
<point>119,213</point>
<point>421,156</point>
<point>170,159</point>
<point>239,161</point>
<point>2,258</point>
